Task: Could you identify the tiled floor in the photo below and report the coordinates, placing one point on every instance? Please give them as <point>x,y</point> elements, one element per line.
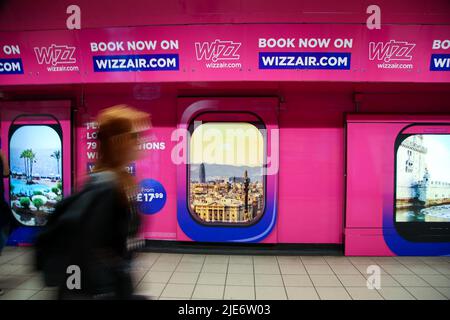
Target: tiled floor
<point>188,276</point>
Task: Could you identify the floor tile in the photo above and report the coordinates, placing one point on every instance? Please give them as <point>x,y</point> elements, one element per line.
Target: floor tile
<point>8,269</point>
<point>306,260</point>
<point>153,290</point>
<point>43,295</point>
<point>267,269</point>
<point>215,268</point>
<point>427,293</point>
<point>423,270</point>
<point>163,266</point>
<point>240,268</point>
<point>332,293</point>
<point>318,269</point>
<point>12,282</point>
<point>442,269</point>
<point>217,259</point>
<point>325,280</point>
<point>397,270</point>
<point>289,260</point>
<point>353,280</point>
<point>408,260</point>
<point>444,291</point>
<point>345,269</point>
<point>212,278</point>
<point>438,280</point>
<point>270,293</point>
<point>157,276</point>
<point>5,259</point>
<point>193,258</point>
<point>18,294</point>
<point>34,283</point>
<point>410,281</point>
<point>239,292</point>
<point>24,270</point>
<point>25,259</point>
<point>395,293</point>
<point>361,260</point>
<point>204,291</point>
<point>145,261</point>
<point>385,260</point>
<point>434,260</point>
<point>389,281</point>
<point>338,260</point>
<point>363,293</point>
<point>184,277</point>
<point>268,280</point>
<point>302,293</point>
<point>170,257</point>
<point>189,267</point>
<point>297,280</point>
<point>363,267</point>
<point>273,264</point>
<point>292,269</point>
<point>178,290</point>
<point>265,260</point>
<point>236,279</point>
<point>241,260</point>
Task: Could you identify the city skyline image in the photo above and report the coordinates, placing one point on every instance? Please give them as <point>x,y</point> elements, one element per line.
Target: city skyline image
<point>226,173</point>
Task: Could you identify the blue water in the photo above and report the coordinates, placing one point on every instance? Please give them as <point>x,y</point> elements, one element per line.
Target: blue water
<point>20,186</point>
<point>440,213</point>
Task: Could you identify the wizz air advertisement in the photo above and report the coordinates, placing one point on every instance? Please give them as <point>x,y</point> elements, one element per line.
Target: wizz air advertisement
<point>10,62</point>
<point>11,59</point>
<point>276,52</point>
<point>440,59</point>
<point>305,60</point>
<point>126,53</point>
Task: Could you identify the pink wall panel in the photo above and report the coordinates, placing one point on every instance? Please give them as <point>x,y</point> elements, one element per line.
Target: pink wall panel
<point>311,180</point>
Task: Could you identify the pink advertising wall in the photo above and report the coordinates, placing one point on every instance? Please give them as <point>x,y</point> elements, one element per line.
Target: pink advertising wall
<point>311,117</point>
<point>315,200</point>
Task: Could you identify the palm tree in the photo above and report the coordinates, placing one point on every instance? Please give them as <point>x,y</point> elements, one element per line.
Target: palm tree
<point>24,156</point>
<point>28,156</point>
<point>32,156</point>
<point>56,155</point>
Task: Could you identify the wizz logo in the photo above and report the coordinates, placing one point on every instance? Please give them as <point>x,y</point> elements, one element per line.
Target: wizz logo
<point>217,50</point>
<point>391,51</point>
<point>55,55</point>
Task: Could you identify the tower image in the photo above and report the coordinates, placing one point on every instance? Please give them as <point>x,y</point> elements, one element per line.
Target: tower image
<point>202,173</point>
<point>246,185</point>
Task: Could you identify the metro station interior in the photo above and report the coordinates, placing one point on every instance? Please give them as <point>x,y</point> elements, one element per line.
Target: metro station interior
<point>294,145</point>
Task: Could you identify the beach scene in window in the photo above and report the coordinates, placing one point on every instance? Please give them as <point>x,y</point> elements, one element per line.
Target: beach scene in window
<point>36,173</point>
<point>423,179</point>
<point>226,173</point>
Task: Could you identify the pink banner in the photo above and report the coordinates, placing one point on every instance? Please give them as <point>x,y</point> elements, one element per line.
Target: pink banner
<point>227,53</point>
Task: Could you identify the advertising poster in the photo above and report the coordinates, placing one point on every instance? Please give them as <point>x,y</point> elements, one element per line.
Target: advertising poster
<point>404,209</point>
<point>36,140</point>
<point>276,52</point>
<point>227,170</point>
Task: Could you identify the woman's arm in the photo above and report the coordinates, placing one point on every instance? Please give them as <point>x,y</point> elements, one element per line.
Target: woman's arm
<point>5,165</point>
